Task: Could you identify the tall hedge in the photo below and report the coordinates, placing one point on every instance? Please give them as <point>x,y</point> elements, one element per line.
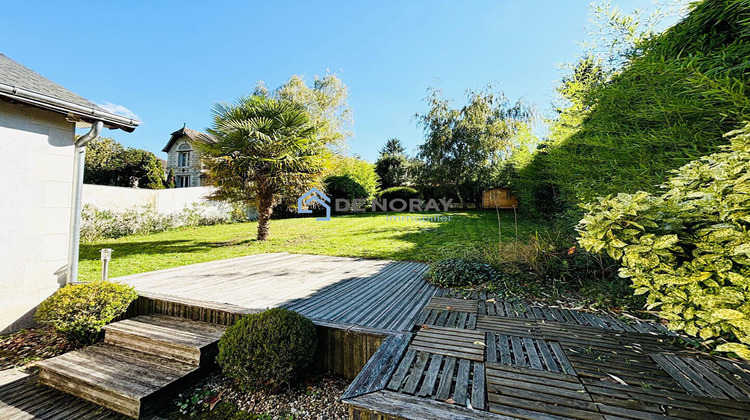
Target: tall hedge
<point>667,107</point>
<point>687,249</point>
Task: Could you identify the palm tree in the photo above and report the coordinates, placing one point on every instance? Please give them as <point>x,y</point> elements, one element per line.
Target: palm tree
<point>266,149</point>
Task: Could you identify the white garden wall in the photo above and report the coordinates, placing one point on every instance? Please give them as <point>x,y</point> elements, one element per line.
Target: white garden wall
<point>166,201</point>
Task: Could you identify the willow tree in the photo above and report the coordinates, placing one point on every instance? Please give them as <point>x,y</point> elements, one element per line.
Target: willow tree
<point>265,149</point>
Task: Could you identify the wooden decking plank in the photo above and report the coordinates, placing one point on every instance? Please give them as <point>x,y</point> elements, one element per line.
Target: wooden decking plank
<point>391,406</point>
<point>562,359</point>
<point>403,368</point>
<point>472,321</point>
<point>540,394</point>
<point>560,380</point>
<point>417,370</point>
<point>383,298</point>
<point>531,353</point>
<point>378,370</point>
<point>462,319</point>
<point>714,379</point>
<point>478,386</point>
<point>431,376</point>
<point>729,376</point>
<point>519,358</point>
<point>379,287</point>
<point>544,408</point>
<point>490,340</point>
<point>549,360</point>
<point>460,395</point>
<point>497,384</point>
<point>688,375</point>
<point>504,348</point>
<point>446,379</point>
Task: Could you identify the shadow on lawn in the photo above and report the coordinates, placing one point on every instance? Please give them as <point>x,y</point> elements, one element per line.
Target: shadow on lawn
<point>177,246</point>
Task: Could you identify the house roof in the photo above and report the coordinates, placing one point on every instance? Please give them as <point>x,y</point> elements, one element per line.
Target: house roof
<point>20,84</point>
<point>191,134</point>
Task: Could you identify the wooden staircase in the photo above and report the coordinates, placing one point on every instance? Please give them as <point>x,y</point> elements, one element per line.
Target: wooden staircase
<point>143,362</point>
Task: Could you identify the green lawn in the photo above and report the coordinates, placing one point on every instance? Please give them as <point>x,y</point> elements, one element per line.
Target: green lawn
<point>368,235</point>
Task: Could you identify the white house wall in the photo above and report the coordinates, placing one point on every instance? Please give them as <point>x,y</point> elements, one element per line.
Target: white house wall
<point>36,178</point>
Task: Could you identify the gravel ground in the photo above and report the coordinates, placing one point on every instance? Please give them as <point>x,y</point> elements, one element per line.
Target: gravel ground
<point>317,398</point>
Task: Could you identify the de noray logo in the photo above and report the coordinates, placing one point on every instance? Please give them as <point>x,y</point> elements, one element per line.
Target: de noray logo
<point>314,195</point>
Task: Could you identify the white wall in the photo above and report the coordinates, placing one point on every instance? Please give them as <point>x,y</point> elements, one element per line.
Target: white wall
<point>36,178</point>
<point>166,201</point>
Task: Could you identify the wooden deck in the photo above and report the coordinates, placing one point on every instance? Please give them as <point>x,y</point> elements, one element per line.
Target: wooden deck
<point>485,358</point>
<point>22,398</point>
<point>379,295</point>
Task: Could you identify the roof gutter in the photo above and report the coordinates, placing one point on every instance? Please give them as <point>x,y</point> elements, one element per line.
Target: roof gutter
<point>79,164</point>
<point>88,114</point>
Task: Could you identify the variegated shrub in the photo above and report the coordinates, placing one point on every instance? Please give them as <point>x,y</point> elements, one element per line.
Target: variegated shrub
<point>688,249</point>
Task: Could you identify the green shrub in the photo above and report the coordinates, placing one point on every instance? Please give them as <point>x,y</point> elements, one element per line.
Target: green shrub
<point>687,249</point>
<point>344,186</point>
<point>404,193</point>
<point>81,310</point>
<point>267,348</point>
<point>97,224</point>
<point>460,272</point>
<point>361,171</point>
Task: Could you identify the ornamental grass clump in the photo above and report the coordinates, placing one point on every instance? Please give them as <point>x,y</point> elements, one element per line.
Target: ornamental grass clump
<point>267,349</point>
<point>81,310</point>
<point>687,249</point>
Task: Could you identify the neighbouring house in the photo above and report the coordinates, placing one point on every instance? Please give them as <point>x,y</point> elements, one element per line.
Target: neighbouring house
<point>184,157</point>
<point>41,173</point>
<point>499,198</point>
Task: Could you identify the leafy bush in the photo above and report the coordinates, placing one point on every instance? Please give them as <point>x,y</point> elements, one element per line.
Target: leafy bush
<point>81,310</point>
<point>97,224</point>
<point>361,171</point>
<point>344,186</point>
<point>460,272</point>
<point>267,348</point>
<point>404,193</point>
<point>687,249</point>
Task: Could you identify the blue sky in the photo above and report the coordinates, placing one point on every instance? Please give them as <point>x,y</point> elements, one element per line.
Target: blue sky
<point>170,61</point>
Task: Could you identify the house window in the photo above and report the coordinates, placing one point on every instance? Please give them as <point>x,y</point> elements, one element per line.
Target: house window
<point>182,181</point>
<point>183,159</point>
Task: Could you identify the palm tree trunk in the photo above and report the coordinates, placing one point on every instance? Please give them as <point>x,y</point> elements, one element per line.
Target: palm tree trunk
<point>265,209</point>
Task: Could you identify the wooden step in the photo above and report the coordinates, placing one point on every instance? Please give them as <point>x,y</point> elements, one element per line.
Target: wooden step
<point>165,336</point>
<point>126,381</point>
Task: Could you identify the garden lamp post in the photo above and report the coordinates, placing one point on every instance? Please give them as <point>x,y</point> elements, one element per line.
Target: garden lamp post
<point>106,256</point>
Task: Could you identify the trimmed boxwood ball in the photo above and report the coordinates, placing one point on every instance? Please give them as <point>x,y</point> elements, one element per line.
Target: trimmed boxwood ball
<point>81,310</point>
<point>460,272</point>
<point>270,348</point>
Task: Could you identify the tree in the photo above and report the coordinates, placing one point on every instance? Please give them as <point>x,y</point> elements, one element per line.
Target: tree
<point>109,163</point>
<point>101,154</point>
<point>170,182</point>
<point>139,168</point>
<point>393,147</point>
<point>462,144</point>
<point>361,171</point>
<point>266,149</point>
<point>391,166</point>
<point>326,103</point>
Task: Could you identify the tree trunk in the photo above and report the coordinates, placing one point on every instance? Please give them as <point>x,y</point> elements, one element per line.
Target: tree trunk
<point>265,209</point>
